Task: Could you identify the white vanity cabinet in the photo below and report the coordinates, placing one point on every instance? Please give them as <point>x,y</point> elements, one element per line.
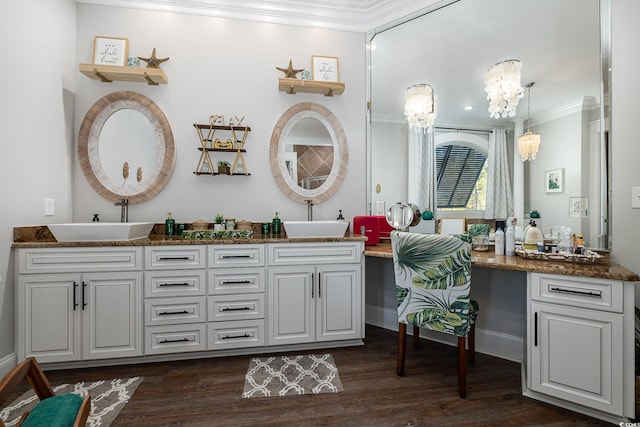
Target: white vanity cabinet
<point>79,303</point>
<point>175,299</point>
<point>315,292</point>
<point>236,296</point>
<point>580,342</point>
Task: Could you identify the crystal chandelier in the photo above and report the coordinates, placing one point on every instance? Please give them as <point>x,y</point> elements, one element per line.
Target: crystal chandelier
<point>528,143</point>
<point>420,107</point>
<point>503,88</point>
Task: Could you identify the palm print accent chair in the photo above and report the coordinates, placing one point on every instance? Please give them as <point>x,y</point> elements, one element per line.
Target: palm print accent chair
<point>433,283</point>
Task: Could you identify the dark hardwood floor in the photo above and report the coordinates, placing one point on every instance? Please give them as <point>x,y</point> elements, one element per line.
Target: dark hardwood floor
<point>207,392</point>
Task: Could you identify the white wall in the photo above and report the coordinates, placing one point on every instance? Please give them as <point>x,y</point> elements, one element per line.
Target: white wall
<point>36,125</point>
<point>624,129</point>
<point>560,148</point>
<point>223,66</point>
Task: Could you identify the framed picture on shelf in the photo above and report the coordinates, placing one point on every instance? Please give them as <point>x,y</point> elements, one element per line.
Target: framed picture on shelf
<point>110,50</point>
<point>553,181</point>
<point>324,68</point>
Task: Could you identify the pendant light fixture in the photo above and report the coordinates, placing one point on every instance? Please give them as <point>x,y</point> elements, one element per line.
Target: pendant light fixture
<point>529,143</point>
<point>420,107</point>
<point>503,88</point>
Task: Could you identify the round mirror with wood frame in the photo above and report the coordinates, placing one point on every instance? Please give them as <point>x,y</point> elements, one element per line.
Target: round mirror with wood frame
<point>278,147</point>
<point>146,184</point>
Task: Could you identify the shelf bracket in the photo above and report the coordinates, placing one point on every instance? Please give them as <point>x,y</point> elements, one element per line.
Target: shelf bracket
<point>330,93</point>
<point>150,80</point>
<point>291,90</point>
<point>101,76</point>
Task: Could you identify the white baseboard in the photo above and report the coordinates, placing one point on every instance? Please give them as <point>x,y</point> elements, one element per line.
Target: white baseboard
<point>493,343</point>
<point>7,363</point>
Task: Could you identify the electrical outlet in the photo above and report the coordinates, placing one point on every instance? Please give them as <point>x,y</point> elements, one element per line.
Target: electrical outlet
<point>48,207</point>
<point>635,197</point>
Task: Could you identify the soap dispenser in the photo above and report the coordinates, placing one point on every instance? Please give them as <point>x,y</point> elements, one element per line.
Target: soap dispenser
<point>169,225</point>
<point>532,236</point>
<point>275,225</point>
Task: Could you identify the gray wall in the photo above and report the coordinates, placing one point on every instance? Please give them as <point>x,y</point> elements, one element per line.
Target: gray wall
<point>624,125</point>
<point>36,128</point>
<point>224,66</point>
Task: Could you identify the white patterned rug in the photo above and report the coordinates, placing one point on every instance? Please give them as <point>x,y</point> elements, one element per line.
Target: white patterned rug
<point>108,397</point>
<point>291,375</point>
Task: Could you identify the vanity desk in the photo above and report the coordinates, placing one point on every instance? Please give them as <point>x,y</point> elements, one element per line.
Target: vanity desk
<point>573,321</point>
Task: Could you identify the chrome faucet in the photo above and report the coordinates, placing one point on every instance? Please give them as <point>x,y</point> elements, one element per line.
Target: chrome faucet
<point>309,210</point>
<point>124,210</point>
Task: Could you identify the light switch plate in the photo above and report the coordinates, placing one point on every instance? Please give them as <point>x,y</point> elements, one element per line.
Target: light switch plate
<point>48,207</point>
<point>635,197</point>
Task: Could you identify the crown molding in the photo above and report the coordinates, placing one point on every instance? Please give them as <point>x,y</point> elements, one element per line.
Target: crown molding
<point>300,13</point>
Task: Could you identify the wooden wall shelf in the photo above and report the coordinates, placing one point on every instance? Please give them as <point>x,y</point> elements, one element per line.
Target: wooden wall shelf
<point>109,73</point>
<point>293,86</point>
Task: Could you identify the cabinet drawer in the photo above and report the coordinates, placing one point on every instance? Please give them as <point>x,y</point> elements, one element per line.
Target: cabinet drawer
<point>175,338</point>
<point>576,291</point>
<point>51,260</point>
<point>169,311</point>
<point>315,253</point>
<point>236,280</point>
<point>238,334</point>
<point>235,307</point>
<point>236,255</point>
<point>157,258</point>
<point>177,283</point>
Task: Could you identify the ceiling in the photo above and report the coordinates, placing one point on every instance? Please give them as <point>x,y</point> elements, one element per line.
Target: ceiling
<point>347,15</point>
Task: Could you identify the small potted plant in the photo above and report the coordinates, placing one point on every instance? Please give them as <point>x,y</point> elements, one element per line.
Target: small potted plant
<point>218,223</point>
<point>224,168</point>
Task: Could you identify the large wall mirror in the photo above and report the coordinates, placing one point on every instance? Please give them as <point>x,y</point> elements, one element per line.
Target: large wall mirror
<point>564,49</point>
<point>126,148</point>
<point>309,153</point>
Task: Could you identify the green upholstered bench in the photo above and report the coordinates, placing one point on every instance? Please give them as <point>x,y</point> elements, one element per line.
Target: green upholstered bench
<point>65,410</point>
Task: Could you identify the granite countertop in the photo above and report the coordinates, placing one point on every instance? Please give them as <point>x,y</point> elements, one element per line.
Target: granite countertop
<point>41,237</point>
<point>601,269</point>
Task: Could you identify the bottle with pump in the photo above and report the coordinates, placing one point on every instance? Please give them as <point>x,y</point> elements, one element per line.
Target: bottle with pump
<point>499,241</point>
<point>275,225</point>
<point>510,241</point>
<point>169,225</point>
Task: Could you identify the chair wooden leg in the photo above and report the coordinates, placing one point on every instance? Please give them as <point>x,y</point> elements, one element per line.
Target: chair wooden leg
<point>416,337</point>
<point>462,367</point>
<point>472,345</point>
<point>402,347</point>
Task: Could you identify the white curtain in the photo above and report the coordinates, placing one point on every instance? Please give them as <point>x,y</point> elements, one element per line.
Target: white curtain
<point>421,170</point>
<point>499,195</point>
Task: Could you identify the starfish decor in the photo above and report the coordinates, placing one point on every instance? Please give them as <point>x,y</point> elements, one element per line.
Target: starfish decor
<point>290,73</point>
<point>153,61</point>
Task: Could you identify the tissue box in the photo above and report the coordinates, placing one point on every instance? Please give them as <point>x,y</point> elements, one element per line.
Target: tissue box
<point>371,228</point>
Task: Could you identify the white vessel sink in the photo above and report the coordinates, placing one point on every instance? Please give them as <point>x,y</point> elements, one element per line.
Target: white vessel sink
<point>315,228</point>
<point>100,231</point>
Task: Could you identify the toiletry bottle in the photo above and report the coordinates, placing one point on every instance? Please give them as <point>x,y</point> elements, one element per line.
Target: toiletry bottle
<point>580,245</point>
<point>510,241</point>
<point>169,225</point>
<point>499,241</point>
<point>275,225</point>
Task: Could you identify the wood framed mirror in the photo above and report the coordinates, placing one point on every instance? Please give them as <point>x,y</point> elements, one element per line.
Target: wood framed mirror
<point>126,148</point>
<point>308,153</point>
